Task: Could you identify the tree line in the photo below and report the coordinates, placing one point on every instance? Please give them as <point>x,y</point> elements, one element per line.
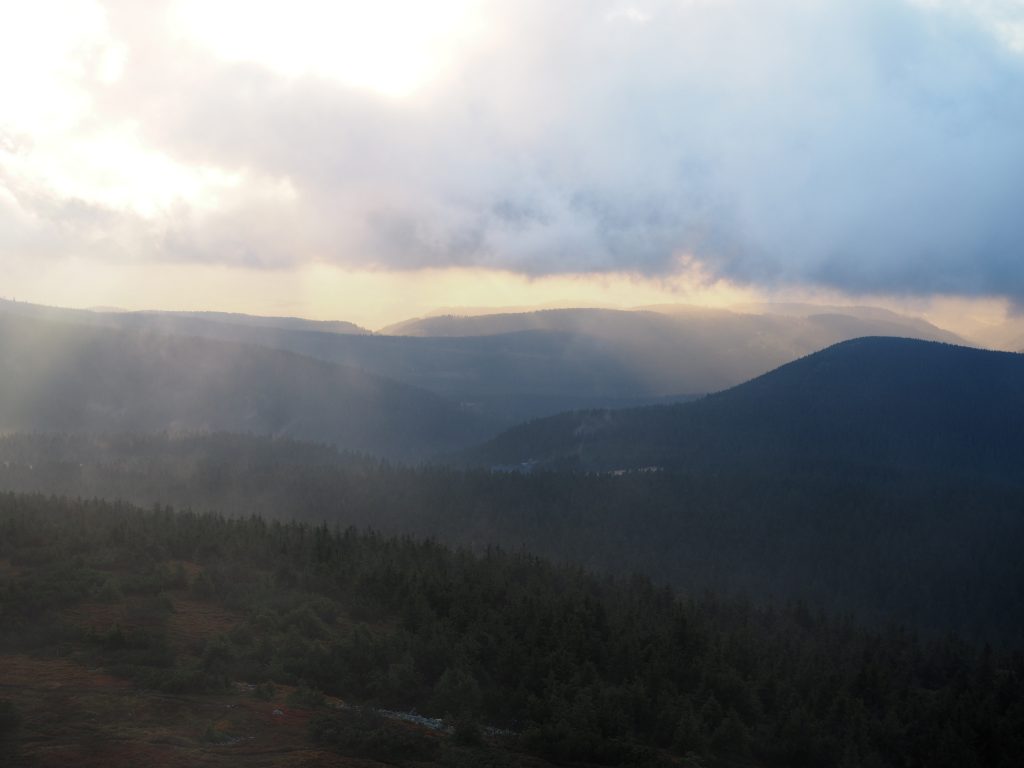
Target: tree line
<point>573,666</point>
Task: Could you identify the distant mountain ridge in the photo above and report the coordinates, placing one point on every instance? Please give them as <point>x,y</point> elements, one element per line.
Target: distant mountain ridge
<point>182,322</point>
<point>604,322</point>
<point>341,327</point>
<point>671,351</point>
<point>69,377</point>
<point>510,367</point>
<point>871,402</point>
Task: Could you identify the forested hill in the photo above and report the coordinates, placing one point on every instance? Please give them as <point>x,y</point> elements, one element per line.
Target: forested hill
<point>871,403</point>
<point>513,367</point>
<point>75,378</point>
<point>193,639</point>
<point>931,553</point>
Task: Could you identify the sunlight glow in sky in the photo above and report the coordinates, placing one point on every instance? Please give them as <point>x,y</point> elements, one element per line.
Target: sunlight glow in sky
<point>368,161</point>
<point>393,47</point>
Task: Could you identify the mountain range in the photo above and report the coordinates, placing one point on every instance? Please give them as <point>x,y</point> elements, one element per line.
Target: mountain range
<point>75,377</point>
<point>509,367</point>
<point>871,403</point>
<point>845,518</point>
<point>882,477</point>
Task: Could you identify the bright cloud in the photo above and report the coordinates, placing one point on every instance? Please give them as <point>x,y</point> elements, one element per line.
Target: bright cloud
<point>866,146</point>
<point>392,47</point>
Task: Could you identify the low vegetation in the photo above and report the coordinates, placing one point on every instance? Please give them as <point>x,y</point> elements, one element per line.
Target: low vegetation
<point>925,550</point>
<point>549,660</point>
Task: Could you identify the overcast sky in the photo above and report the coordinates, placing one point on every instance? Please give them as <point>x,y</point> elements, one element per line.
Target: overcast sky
<point>856,148</point>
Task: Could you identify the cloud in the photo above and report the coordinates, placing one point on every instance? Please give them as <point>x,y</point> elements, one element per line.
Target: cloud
<point>868,146</point>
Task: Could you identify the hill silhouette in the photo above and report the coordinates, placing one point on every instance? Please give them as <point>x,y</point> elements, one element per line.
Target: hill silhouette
<point>884,403</point>
<point>510,367</point>
<point>79,378</point>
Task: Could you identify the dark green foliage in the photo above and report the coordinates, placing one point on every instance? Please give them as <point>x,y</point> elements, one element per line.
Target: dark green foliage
<point>10,719</point>
<point>305,697</point>
<point>467,733</point>
<point>265,691</point>
<point>212,736</point>
<point>457,693</point>
<point>935,552</point>
<point>579,668</point>
<point>110,592</point>
<point>862,407</point>
<point>182,679</point>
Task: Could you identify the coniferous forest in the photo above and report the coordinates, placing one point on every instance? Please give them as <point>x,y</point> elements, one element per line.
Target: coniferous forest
<point>925,550</point>
<point>521,657</point>
<point>824,570</point>
<point>512,384</point>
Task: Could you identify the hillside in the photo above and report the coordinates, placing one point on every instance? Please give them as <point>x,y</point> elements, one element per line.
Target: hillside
<point>770,323</point>
<point>631,354</point>
<point>258,321</point>
<point>932,552</point>
<point>233,325</point>
<point>679,349</point>
<point>81,378</point>
<point>184,639</point>
<point>512,367</point>
<point>872,403</point>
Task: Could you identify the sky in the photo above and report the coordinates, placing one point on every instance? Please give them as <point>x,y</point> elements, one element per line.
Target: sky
<point>371,161</point>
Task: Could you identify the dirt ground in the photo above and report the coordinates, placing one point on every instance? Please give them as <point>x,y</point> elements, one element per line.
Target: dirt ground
<point>74,716</point>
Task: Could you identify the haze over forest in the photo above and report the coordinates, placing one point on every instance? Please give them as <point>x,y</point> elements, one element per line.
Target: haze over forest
<point>486,383</point>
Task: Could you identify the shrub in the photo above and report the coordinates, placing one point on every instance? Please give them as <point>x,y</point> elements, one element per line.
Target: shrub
<point>265,691</point>
<point>467,733</point>
<point>306,697</point>
<point>10,718</point>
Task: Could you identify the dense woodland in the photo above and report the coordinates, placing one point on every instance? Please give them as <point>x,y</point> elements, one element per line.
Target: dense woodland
<point>830,554</point>
<point>568,665</point>
<point>885,404</point>
<point>930,552</point>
